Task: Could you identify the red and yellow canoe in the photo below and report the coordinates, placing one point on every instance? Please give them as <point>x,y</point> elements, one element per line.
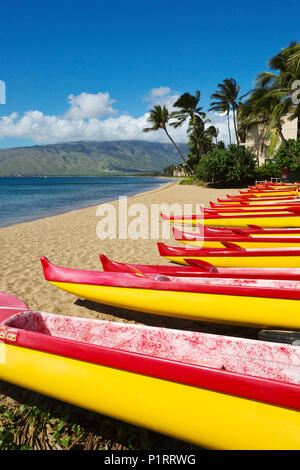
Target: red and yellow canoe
<point>243,206</point>
<point>270,192</point>
<point>255,302</point>
<point>275,219</point>
<point>234,256</point>
<point>251,230</point>
<point>198,268</point>
<point>185,384</point>
<point>242,240</point>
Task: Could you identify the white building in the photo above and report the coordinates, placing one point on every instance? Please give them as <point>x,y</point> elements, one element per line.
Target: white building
<point>256,141</point>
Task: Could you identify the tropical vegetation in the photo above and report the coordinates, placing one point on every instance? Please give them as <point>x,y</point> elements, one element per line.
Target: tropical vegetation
<point>274,99</point>
<point>234,165</point>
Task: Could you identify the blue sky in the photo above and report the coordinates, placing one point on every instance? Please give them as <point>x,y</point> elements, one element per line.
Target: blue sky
<point>66,63</point>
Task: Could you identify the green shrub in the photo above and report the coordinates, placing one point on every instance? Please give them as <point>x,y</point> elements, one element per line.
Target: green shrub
<point>267,171</point>
<point>283,159</point>
<point>234,165</point>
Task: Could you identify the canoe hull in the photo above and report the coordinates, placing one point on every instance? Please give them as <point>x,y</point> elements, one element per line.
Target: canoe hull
<point>242,310</point>
<point>247,244</point>
<point>241,261</point>
<point>184,412</point>
<point>281,221</point>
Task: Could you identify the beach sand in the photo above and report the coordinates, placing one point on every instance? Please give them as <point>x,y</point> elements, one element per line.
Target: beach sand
<point>70,240</point>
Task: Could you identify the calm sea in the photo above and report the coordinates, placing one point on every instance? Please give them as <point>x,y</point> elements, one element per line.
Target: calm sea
<point>26,199</point>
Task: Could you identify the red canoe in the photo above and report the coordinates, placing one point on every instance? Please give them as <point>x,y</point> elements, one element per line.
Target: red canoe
<point>250,230</point>
<point>235,256</point>
<point>198,268</point>
<point>234,236</point>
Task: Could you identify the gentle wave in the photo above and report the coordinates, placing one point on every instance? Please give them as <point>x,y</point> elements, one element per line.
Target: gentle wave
<point>24,199</point>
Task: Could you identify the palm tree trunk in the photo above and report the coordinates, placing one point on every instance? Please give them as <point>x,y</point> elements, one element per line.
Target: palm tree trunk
<point>199,145</point>
<point>179,151</point>
<point>228,122</point>
<point>235,127</point>
<point>287,147</point>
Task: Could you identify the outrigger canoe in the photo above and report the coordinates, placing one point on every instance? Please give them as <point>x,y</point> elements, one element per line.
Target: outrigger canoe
<point>235,256</point>
<point>249,211</point>
<point>185,384</point>
<point>252,230</point>
<point>251,201</point>
<point>251,302</point>
<point>276,219</point>
<point>198,268</point>
<point>241,205</point>
<point>255,197</point>
<point>244,241</point>
<point>263,193</point>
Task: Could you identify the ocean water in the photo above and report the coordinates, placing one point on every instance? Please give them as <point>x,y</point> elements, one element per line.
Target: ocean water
<point>27,199</point>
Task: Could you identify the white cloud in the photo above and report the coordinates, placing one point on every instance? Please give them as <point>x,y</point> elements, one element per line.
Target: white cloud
<point>83,122</point>
<point>88,105</point>
<point>162,96</point>
<point>220,121</point>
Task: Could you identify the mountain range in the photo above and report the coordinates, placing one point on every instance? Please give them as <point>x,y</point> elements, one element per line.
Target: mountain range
<point>89,158</point>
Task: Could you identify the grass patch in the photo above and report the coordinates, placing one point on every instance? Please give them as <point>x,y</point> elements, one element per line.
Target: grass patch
<point>30,421</point>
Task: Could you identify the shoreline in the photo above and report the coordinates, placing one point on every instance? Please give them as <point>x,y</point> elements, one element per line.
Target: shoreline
<point>161,185</point>
<point>69,239</point>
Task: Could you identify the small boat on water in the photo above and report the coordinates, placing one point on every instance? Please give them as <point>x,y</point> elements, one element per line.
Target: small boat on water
<point>242,240</point>
<point>254,302</point>
<point>185,384</point>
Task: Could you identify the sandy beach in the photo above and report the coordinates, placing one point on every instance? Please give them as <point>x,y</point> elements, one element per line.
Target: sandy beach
<point>70,240</point>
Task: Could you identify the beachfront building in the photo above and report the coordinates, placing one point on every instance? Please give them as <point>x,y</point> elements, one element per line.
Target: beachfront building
<point>255,138</point>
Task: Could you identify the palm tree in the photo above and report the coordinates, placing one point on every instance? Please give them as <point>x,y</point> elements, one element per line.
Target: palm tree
<point>159,117</point>
<point>189,110</point>
<point>287,65</point>
<point>266,108</point>
<point>198,134</point>
<point>213,132</point>
<point>271,101</point>
<point>222,108</point>
<point>226,98</point>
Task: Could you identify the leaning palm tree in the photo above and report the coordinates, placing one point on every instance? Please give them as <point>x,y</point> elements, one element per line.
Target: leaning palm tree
<point>159,117</point>
<point>227,99</point>
<point>189,111</point>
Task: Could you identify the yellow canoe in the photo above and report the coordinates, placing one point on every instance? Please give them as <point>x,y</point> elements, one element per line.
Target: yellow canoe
<point>233,256</point>
<point>244,244</point>
<point>185,384</point>
<point>258,303</point>
<point>278,220</point>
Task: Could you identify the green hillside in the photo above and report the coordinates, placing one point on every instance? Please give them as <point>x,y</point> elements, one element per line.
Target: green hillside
<point>88,159</point>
